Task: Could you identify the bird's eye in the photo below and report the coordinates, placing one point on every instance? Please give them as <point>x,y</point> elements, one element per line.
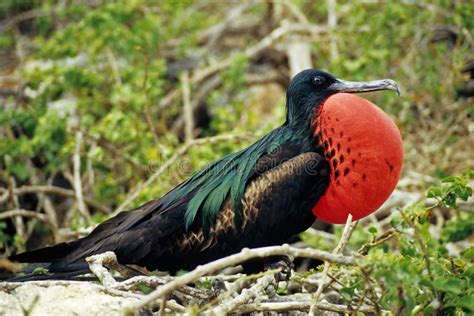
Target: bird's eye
<point>317,81</point>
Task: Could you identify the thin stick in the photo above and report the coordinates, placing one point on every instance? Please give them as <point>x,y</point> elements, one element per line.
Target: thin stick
<point>77,177</point>
<point>385,236</point>
<point>17,220</point>
<point>297,306</point>
<point>235,259</point>
<point>24,213</point>
<point>187,108</point>
<point>96,265</point>
<point>332,24</point>
<point>147,112</point>
<point>340,246</point>
<point>44,202</point>
<point>245,296</point>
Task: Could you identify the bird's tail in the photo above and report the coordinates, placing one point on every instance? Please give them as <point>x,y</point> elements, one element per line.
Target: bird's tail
<point>51,260</point>
<point>50,276</point>
<point>46,254</point>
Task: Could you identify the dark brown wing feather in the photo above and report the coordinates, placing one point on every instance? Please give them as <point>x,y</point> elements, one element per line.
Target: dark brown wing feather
<point>277,204</point>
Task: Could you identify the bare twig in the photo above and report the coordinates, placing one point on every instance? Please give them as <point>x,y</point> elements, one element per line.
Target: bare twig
<point>117,152</point>
<point>204,89</point>
<point>332,24</point>
<point>346,234</point>
<point>96,265</point>
<point>321,233</point>
<point>44,202</point>
<point>147,112</point>
<point>77,177</point>
<point>299,56</point>
<point>297,13</point>
<point>24,213</point>
<point>235,259</point>
<point>28,15</point>
<point>385,236</point>
<point>17,220</point>
<point>187,108</point>
<point>216,31</point>
<point>245,296</point>
<point>303,306</point>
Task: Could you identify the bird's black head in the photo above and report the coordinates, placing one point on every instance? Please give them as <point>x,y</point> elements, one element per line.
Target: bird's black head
<point>306,91</point>
<point>309,88</point>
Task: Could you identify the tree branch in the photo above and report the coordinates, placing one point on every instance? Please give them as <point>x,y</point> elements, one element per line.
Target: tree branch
<point>236,259</point>
<point>346,234</point>
<point>24,213</point>
<point>77,177</point>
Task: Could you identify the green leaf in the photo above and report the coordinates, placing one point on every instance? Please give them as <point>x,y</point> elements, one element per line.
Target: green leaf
<point>40,270</point>
<point>450,285</point>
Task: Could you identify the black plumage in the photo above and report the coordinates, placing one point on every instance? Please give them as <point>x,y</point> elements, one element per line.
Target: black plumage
<point>257,197</point>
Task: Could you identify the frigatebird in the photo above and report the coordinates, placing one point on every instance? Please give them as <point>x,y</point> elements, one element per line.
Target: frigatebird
<point>335,154</point>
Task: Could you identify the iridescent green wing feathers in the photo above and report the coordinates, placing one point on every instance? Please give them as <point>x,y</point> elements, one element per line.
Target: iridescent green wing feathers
<point>230,174</point>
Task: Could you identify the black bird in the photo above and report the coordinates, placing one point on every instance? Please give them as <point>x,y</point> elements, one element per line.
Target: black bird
<point>256,197</point>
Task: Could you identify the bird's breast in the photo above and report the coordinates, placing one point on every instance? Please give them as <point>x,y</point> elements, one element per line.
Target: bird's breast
<point>364,149</point>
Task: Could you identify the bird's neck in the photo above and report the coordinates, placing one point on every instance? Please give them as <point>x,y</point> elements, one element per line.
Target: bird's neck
<point>304,135</point>
<point>301,113</point>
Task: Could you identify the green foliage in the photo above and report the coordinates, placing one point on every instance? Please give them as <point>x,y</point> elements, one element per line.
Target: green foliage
<point>459,228</point>
<point>457,188</point>
<point>205,284</point>
<point>4,238</point>
<point>420,275</point>
<point>40,270</point>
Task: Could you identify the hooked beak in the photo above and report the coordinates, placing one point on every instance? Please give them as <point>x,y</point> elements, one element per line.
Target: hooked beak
<point>367,86</point>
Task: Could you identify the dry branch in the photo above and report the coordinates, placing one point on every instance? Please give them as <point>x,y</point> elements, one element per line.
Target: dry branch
<point>187,108</point>
<point>97,266</point>
<point>236,259</point>
<point>298,306</point>
<point>346,234</point>
<point>24,213</point>
<point>245,296</point>
<point>17,220</point>
<point>77,177</point>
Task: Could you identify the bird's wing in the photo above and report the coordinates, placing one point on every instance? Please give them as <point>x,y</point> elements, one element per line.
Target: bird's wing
<point>228,177</point>
<point>132,234</point>
<point>277,204</point>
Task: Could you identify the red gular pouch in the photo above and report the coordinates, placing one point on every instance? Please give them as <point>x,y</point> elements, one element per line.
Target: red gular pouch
<point>364,149</point>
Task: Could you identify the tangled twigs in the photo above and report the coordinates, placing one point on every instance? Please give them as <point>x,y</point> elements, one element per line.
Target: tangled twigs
<point>244,255</point>
<point>245,296</point>
<point>385,236</point>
